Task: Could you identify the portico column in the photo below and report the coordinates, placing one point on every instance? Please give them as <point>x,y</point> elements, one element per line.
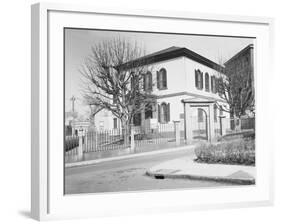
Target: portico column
<point>177,132</point>
<point>188,122</point>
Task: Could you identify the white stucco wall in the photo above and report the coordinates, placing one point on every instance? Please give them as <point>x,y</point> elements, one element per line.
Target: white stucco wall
<point>180,85</point>
<point>176,79</point>
<point>181,77</point>
<point>190,66</point>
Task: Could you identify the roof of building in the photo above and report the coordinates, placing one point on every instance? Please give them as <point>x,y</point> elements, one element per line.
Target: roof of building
<point>240,53</point>
<point>170,53</point>
<point>200,100</point>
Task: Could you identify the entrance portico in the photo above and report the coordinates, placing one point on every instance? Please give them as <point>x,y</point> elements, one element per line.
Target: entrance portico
<point>206,106</point>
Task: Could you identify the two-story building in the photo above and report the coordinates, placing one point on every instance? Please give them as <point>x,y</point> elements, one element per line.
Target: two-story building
<point>176,75</point>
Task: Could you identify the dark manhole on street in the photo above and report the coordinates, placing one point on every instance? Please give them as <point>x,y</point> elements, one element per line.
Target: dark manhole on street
<point>160,174</point>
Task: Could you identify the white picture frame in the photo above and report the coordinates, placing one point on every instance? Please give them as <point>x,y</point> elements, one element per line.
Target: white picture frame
<point>48,201</point>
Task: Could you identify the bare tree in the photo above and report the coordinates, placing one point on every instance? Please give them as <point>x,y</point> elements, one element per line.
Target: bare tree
<point>235,86</point>
<point>113,77</point>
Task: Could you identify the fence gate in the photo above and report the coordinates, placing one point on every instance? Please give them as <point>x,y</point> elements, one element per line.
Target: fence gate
<point>200,125</point>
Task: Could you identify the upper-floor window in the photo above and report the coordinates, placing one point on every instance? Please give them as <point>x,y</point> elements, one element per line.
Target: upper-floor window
<point>213,84</point>
<point>164,112</point>
<point>134,81</point>
<point>207,82</point>
<point>147,81</point>
<point>162,79</point>
<point>198,79</point>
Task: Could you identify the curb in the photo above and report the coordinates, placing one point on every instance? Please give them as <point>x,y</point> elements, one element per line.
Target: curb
<point>240,181</point>
<point>96,161</point>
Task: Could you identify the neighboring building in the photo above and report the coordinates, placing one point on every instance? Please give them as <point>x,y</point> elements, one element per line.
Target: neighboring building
<point>241,68</point>
<point>75,123</point>
<point>69,118</point>
<point>177,74</point>
<point>242,62</point>
<point>80,126</point>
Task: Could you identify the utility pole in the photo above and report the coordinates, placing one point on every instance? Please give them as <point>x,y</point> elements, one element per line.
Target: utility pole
<point>73,99</point>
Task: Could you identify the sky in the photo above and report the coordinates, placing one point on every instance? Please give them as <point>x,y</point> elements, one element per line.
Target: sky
<point>78,44</point>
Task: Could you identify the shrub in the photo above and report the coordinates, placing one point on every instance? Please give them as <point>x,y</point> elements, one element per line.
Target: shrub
<point>239,151</point>
<point>248,134</point>
<point>71,143</point>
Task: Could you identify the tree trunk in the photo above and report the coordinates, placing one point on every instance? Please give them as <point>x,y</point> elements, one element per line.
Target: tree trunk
<point>232,120</point>
<point>237,123</point>
<point>126,132</point>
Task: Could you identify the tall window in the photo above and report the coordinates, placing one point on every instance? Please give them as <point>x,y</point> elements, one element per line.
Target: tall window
<point>162,79</point>
<point>137,119</point>
<point>147,82</point>
<point>164,113</point>
<point>134,81</point>
<point>213,84</point>
<point>207,84</point>
<point>148,112</point>
<point>215,112</point>
<point>198,79</point>
<point>115,123</point>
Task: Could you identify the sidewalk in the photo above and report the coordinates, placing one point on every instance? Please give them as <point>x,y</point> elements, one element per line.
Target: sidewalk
<point>187,168</point>
<point>127,156</point>
<point>140,148</point>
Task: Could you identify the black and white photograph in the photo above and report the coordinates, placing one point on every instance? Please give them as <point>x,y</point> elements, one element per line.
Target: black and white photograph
<point>148,111</point>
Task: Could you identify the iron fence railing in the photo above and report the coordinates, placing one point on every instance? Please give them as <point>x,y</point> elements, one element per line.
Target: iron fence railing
<point>159,136</point>
<point>71,144</point>
<point>105,140</point>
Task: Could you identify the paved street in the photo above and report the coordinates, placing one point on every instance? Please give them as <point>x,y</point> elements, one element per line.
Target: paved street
<point>127,175</point>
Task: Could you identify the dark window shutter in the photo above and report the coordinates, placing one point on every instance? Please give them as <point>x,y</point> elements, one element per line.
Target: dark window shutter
<point>144,82</point>
<point>158,81</point>
<point>196,79</point>
<point>216,85</point>
<point>207,87</point>
<point>164,79</point>
<point>149,81</point>
<point>212,83</point>
<point>159,113</point>
<point>168,112</point>
<point>201,80</point>
<point>132,81</point>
